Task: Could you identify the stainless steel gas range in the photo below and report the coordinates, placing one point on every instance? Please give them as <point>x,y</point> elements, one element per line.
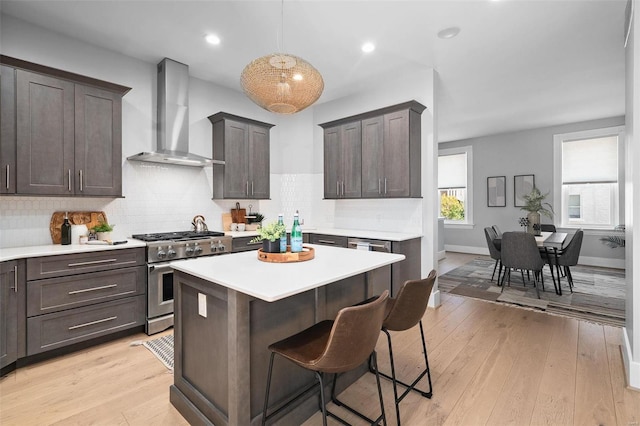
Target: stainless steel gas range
<point>162,248</point>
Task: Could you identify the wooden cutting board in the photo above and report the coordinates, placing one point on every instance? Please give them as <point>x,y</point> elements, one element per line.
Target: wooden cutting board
<point>90,219</point>
<point>238,214</point>
<point>226,221</point>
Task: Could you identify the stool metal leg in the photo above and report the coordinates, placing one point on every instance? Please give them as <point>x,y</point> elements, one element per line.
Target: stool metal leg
<point>266,395</point>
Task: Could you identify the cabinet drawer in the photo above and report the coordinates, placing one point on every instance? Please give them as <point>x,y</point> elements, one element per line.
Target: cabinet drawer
<point>328,240</point>
<point>57,294</point>
<point>58,329</point>
<point>244,244</point>
<point>70,264</point>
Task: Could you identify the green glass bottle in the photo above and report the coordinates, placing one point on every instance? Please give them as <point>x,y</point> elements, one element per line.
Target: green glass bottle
<point>296,235</point>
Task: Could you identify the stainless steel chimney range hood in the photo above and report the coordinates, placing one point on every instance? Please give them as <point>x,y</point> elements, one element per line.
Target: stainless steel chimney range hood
<point>173,119</point>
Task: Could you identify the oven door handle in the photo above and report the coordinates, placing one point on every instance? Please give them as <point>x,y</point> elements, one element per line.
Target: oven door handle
<point>159,267</point>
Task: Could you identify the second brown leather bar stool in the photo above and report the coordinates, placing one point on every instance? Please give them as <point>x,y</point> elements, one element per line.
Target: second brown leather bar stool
<point>333,347</point>
<point>403,313</point>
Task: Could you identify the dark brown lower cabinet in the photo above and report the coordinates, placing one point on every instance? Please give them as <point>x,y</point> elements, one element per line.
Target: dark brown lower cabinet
<point>12,312</point>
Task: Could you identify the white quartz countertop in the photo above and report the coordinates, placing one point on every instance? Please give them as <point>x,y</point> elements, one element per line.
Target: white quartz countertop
<point>269,281</point>
<point>356,233</point>
<point>56,249</point>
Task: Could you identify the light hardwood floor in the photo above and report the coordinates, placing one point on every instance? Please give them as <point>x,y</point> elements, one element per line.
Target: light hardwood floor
<point>491,365</point>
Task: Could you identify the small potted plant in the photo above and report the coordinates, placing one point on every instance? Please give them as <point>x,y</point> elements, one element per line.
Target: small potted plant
<point>535,205</point>
<point>270,236</point>
<point>254,221</point>
<point>103,231</point>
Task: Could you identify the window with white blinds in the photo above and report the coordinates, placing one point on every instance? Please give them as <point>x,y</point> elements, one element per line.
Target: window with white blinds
<point>588,170</point>
<point>455,185</point>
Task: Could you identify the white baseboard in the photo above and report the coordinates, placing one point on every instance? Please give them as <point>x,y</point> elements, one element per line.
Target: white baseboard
<point>467,249</point>
<point>434,299</point>
<point>603,262</point>
<point>631,367</point>
<point>442,254</point>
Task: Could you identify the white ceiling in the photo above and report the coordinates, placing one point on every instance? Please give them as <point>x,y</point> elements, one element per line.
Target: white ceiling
<point>515,64</point>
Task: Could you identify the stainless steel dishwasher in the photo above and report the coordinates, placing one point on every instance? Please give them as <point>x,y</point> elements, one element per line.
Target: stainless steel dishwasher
<point>367,244</point>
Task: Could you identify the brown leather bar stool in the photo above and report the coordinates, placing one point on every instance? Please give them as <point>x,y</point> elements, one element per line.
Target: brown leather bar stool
<point>404,312</point>
<point>333,347</point>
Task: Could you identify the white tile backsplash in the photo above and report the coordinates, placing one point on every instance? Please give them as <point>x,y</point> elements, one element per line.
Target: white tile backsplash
<point>162,198</point>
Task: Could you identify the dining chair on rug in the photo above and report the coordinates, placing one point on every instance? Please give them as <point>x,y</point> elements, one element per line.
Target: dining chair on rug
<point>519,250</point>
<point>334,347</point>
<point>404,312</point>
<point>568,257</point>
<point>547,227</point>
<point>494,252</point>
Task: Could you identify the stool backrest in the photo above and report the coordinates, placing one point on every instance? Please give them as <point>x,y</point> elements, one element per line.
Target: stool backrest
<point>410,304</point>
<point>353,336</point>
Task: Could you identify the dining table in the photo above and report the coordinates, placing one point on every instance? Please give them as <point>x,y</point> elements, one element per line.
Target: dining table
<point>552,244</point>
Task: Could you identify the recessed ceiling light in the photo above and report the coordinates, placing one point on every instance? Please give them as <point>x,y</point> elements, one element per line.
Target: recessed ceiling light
<point>450,32</point>
<point>368,47</point>
<point>212,39</point>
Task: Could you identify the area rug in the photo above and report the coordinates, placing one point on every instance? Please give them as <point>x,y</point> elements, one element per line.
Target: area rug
<point>162,348</point>
<point>598,293</point>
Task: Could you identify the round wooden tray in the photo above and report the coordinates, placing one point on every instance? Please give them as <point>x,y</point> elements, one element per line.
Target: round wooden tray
<point>307,253</point>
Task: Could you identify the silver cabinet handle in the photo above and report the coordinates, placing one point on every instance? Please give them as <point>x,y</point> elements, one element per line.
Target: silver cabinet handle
<point>92,262</point>
<point>251,187</point>
<point>92,289</point>
<point>8,174</point>
<point>343,188</point>
<point>69,180</point>
<point>92,323</point>
<point>338,188</point>
<point>379,186</point>
<point>247,192</point>
<point>326,241</point>
<point>81,180</point>
<point>385,186</point>
<point>15,279</point>
<point>382,246</point>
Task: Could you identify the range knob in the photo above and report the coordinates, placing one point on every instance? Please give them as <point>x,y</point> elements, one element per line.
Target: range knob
<point>189,250</point>
<point>221,246</point>
<point>213,247</point>
<point>197,249</point>
<point>171,253</point>
<point>161,253</point>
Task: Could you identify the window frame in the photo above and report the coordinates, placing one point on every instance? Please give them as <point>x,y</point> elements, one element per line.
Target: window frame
<point>468,217</point>
<point>618,208</point>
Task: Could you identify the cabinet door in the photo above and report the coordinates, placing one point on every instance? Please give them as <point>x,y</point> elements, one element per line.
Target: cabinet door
<point>332,162</point>
<point>258,166</point>
<point>7,130</point>
<point>373,157</point>
<point>98,142</point>
<point>351,135</point>
<point>45,163</point>
<point>396,154</point>
<point>236,152</point>
<point>8,313</point>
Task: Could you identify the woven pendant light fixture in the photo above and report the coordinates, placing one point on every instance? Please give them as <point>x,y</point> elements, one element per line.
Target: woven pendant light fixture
<point>281,82</point>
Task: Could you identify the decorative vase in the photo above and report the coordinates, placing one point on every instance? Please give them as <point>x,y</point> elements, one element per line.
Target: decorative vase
<point>271,246</point>
<point>534,223</point>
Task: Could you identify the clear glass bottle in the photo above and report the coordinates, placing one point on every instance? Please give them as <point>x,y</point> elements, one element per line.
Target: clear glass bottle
<point>65,231</point>
<point>283,239</point>
<point>296,235</point>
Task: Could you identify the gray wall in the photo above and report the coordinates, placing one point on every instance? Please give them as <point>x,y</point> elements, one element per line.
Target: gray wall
<point>520,153</point>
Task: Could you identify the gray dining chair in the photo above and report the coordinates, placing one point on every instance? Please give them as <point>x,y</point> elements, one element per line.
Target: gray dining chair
<point>547,227</point>
<point>568,257</point>
<point>494,252</point>
<point>519,250</point>
<point>497,231</point>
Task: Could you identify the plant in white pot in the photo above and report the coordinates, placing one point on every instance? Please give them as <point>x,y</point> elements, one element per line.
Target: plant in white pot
<point>270,235</point>
<point>103,231</point>
<point>535,205</point>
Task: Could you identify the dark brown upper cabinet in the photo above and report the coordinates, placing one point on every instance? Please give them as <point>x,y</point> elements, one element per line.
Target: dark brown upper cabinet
<point>68,133</point>
<point>243,145</point>
<point>386,154</point>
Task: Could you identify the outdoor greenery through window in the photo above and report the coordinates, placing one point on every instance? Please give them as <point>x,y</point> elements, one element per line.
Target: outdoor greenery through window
<point>453,184</point>
<point>588,169</point>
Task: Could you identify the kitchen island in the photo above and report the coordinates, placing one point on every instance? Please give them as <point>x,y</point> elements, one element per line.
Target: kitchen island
<point>229,308</point>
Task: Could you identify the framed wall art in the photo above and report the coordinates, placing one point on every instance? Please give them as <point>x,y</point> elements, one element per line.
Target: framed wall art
<point>522,185</point>
<point>496,191</point>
